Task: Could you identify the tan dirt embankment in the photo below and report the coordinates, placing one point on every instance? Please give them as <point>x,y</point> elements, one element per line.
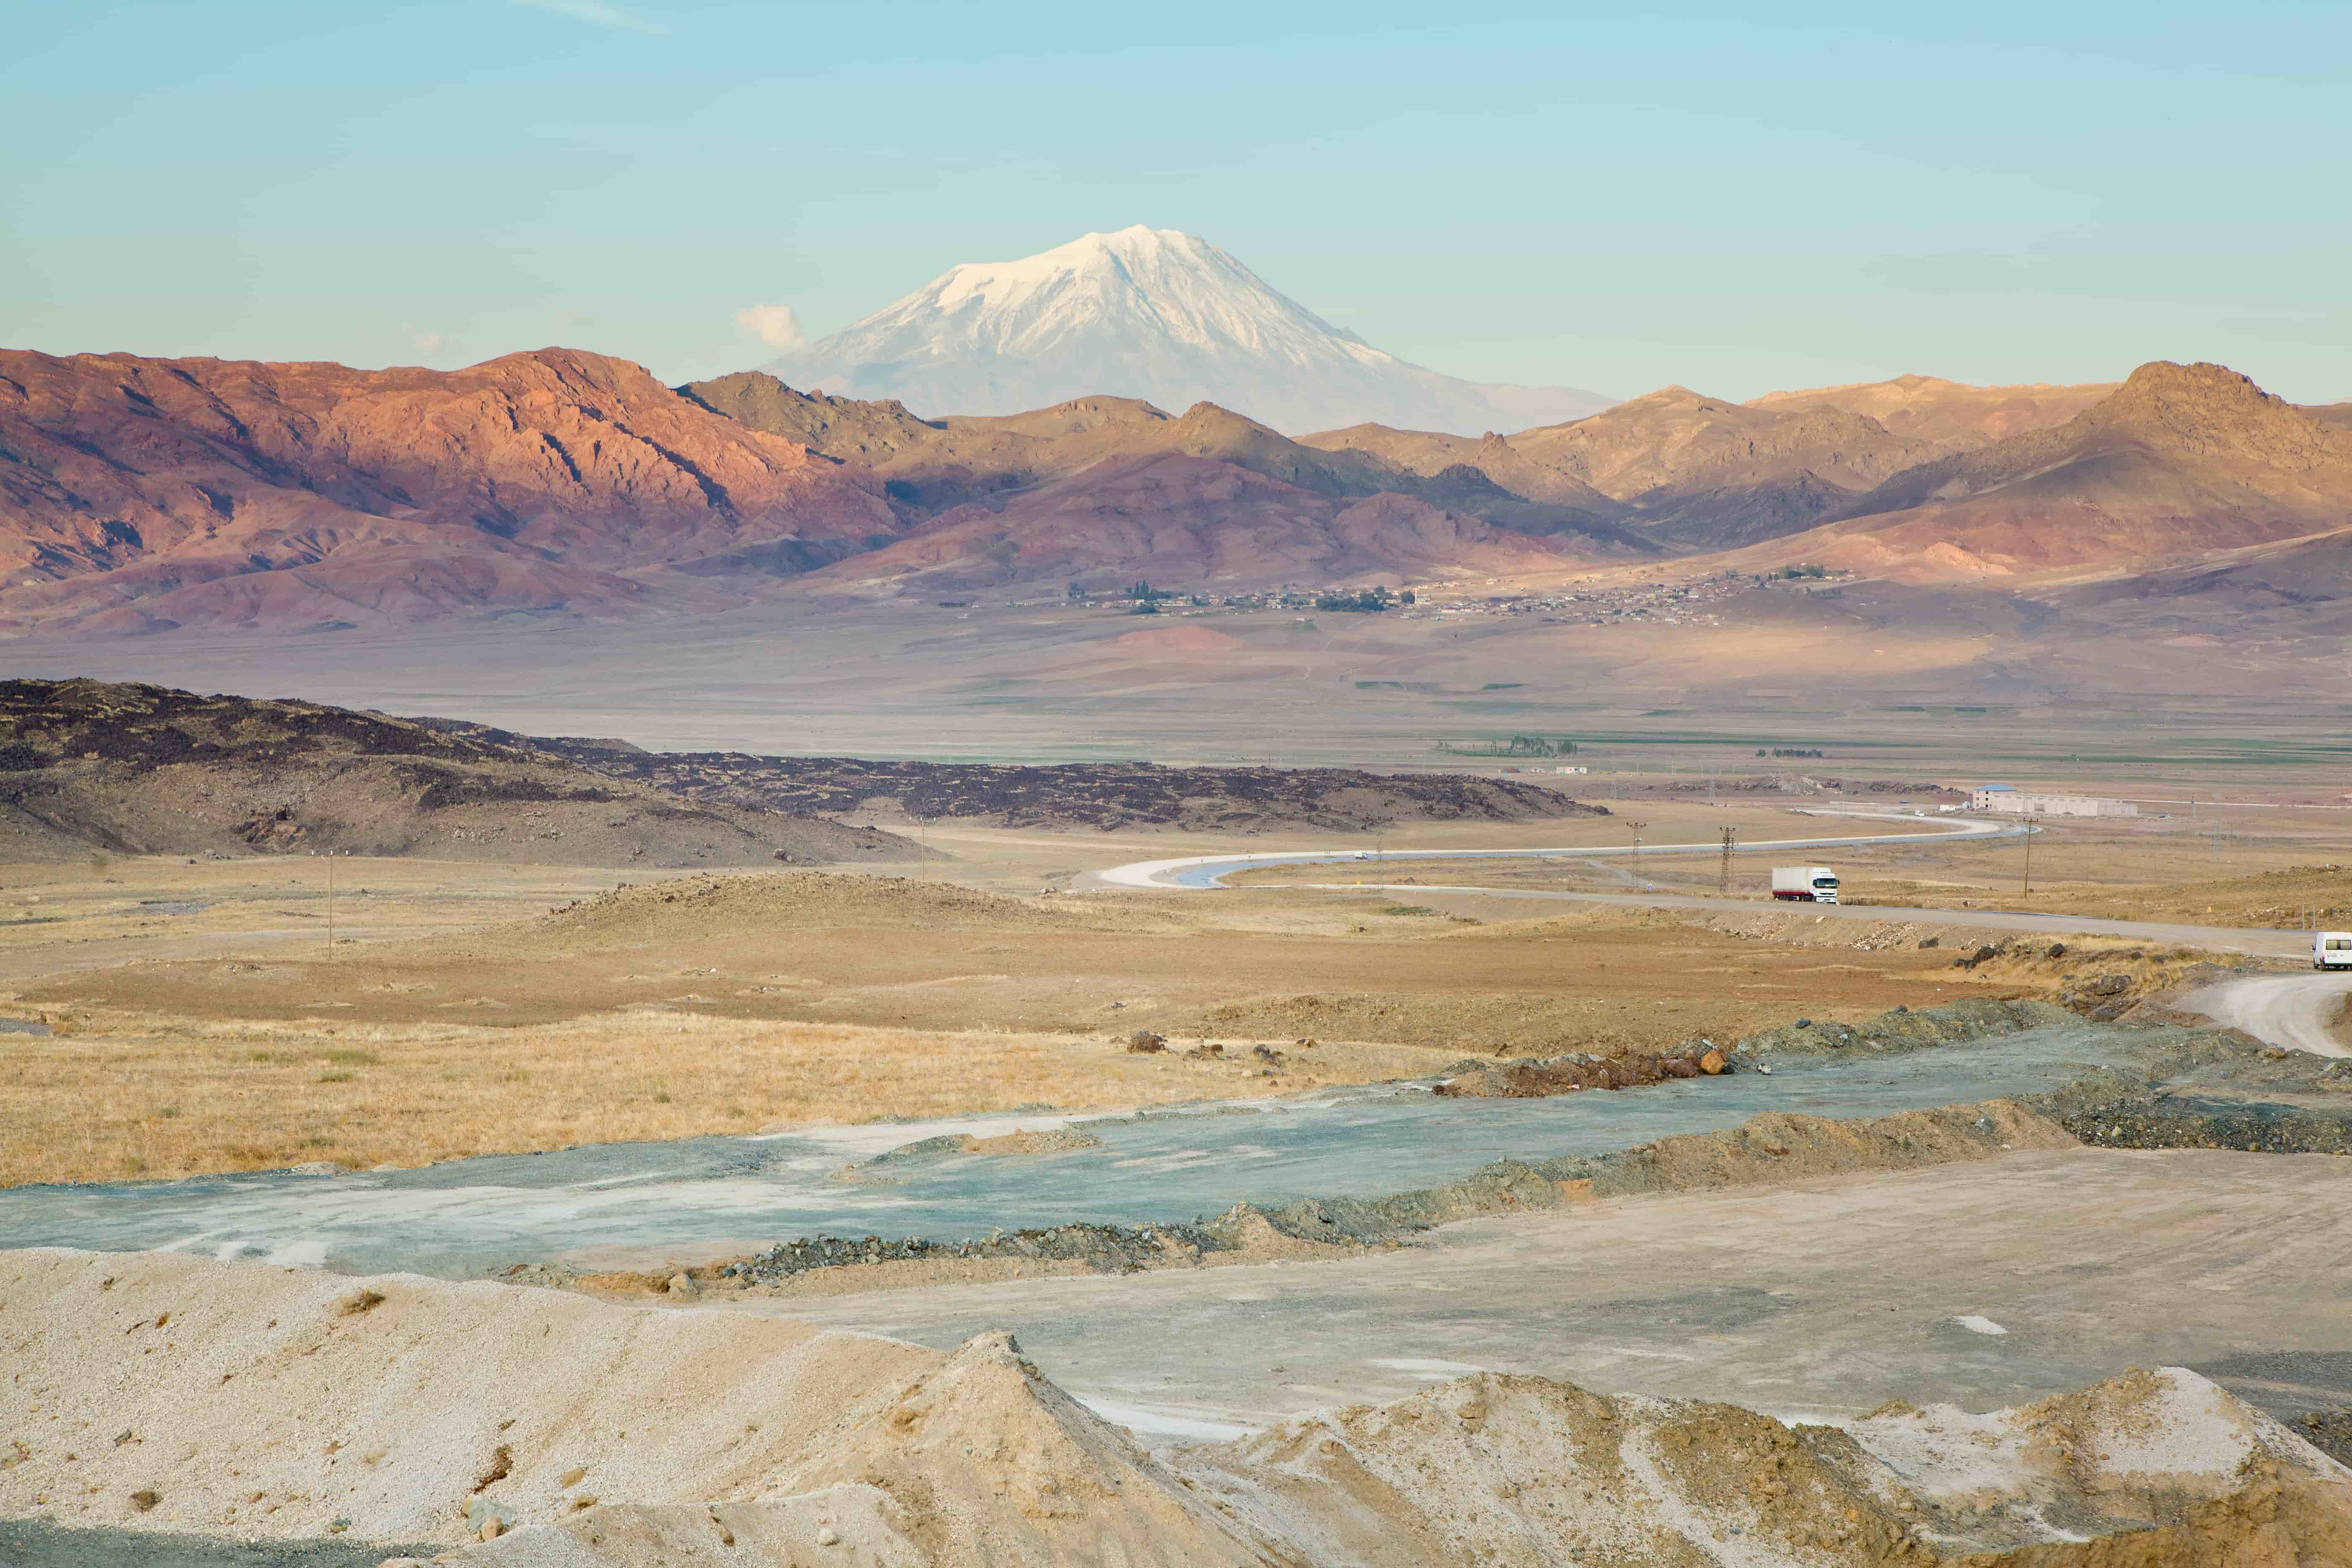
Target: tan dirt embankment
<point>158,1393</point>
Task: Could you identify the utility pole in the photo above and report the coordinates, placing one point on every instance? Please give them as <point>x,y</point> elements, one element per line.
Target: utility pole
<point>331,906</point>
<point>1723,869</point>
<point>2029,857</point>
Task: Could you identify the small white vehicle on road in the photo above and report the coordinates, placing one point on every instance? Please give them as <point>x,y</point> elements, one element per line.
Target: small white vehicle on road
<point>2331,950</point>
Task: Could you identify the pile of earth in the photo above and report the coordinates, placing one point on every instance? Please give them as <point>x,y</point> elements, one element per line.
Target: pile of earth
<point>1532,1078</point>
<point>169,1393</point>
<point>2209,1088</point>
<point>88,765</point>
<point>1104,796</point>
<point>1498,1022</point>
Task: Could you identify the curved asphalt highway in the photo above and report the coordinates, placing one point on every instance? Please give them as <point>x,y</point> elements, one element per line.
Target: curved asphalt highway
<point>1203,871</point>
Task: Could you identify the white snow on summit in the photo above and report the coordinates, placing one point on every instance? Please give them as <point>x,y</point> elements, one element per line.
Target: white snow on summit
<point>1148,313</point>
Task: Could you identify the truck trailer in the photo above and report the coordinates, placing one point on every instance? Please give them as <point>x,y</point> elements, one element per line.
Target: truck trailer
<point>1805,884</point>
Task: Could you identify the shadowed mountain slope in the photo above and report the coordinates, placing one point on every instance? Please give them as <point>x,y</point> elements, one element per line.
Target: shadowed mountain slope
<point>1690,471</point>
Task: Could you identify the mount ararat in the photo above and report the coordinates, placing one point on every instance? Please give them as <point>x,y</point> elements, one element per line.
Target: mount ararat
<point>1152,315</point>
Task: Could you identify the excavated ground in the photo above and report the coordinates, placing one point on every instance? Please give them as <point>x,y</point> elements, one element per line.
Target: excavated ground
<point>164,1394</point>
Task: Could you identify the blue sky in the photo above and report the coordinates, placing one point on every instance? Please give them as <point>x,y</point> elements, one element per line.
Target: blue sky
<point>1737,199</point>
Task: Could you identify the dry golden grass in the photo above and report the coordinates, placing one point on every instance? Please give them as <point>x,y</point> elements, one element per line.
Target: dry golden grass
<point>2179,886</point>
<point>117,1095</point>
<point>2267,901</point>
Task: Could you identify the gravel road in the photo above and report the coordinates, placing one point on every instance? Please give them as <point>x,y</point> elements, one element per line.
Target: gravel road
<point>2293,1011</point>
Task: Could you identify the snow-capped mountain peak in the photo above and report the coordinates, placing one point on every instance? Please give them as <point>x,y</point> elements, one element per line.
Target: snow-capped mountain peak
<point>1150,313</point>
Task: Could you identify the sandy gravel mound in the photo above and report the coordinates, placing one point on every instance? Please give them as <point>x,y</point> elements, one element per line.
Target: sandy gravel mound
<point>2303,1524</point>
<point>537,1429</point>
<point>2142,1450</point>
<point>249,1399</point>
<point>1523,1469</point>
<point>1782,1146</point>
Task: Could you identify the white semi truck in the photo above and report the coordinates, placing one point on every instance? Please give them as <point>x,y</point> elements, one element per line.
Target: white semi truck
<point>1805,884</point>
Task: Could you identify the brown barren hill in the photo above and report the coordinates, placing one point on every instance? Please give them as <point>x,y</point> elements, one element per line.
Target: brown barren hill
<point>143,494</point>
<point>2183,461</point>
<point>85,765</point>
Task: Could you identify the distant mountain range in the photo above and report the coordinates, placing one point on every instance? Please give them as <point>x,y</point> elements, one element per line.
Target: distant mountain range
<point>1114,486</point>
<point>1150,314</point>
<point>141,495</point>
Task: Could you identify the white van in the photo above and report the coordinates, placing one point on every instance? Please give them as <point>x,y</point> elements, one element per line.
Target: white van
<point>2331,950</point>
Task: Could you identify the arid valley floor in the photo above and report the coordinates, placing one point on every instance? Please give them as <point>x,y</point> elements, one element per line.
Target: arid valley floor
<point>497,1228</point>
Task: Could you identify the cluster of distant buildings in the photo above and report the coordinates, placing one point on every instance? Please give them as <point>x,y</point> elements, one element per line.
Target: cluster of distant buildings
<point>2010,801</point>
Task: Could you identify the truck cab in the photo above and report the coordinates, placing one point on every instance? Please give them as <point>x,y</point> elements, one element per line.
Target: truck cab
<point>2331,950</point>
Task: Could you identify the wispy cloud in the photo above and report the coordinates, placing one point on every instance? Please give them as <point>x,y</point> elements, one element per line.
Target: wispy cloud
<point>774,325</point>
<point>426,340</point>
<point>595,14</point>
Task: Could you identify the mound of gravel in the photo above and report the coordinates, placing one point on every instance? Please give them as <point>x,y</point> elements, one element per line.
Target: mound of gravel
<point>533,1429</point>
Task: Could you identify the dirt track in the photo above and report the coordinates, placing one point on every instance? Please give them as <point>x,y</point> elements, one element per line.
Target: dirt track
<point>2298,1012</point>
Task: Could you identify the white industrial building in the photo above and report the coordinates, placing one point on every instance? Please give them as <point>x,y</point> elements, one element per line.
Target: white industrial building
<point>2013,802</point>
